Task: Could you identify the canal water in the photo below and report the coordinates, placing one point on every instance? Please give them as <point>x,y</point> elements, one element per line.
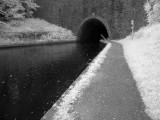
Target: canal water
<point>33,78</point>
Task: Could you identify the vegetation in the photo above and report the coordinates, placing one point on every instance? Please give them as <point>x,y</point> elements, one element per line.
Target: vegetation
<point>16,9</point>
<point>18,28</point>
<point>152,8</point>
<point>34,31</point>
<point>142,52</point>
<point>145,68</point>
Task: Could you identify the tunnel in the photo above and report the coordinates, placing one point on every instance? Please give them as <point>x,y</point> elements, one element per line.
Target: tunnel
<point>92,31</point>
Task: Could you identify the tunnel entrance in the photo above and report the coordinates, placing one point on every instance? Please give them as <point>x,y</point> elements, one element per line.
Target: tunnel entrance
<point>92,30</point>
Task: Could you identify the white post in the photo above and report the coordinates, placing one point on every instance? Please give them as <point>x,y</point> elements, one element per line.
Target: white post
<point>132,28</point>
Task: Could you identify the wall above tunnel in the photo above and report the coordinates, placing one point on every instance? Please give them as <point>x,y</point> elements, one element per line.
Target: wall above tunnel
<point>116,13</point>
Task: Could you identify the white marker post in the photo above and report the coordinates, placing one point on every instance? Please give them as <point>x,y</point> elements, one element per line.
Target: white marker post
<point>132,28</point>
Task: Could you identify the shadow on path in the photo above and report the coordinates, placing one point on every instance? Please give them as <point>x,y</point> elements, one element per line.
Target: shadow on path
<point>113,94</point>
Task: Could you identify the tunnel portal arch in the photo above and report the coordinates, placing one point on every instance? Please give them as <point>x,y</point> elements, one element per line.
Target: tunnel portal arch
<point>92,29</point>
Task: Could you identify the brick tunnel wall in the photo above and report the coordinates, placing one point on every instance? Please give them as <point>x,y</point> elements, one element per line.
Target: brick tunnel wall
<point>117,13</point>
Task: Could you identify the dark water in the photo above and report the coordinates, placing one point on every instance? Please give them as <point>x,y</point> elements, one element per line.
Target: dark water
<point>33,78</point>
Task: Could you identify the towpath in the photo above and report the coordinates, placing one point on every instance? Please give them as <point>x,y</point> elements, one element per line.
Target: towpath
<point>113,94</point>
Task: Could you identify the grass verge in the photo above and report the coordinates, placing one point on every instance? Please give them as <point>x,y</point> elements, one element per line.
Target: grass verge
<point>34,31</point>
<point>142,51</point>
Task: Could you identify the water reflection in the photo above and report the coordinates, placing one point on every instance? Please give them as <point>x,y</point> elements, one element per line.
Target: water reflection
<point>33,78</point>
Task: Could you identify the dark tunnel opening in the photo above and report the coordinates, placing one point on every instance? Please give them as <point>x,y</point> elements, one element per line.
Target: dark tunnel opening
<point>92,31</point>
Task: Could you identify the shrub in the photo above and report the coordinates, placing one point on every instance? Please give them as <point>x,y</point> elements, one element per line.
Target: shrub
<point>16,9</point>
<point>29,6</point>
<point>152,8</point>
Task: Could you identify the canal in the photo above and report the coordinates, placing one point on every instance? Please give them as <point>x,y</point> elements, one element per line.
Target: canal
<point>33,78</point>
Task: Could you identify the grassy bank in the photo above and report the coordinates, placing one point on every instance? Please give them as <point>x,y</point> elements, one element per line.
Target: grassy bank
<point>32,31</point>
<point>142,51</point>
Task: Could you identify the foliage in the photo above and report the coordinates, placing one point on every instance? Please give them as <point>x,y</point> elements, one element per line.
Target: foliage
<point>143,57</point>
<point>152,8</point>
<point>16,9</point>
<point>33,25</point>
<point>29,6</point>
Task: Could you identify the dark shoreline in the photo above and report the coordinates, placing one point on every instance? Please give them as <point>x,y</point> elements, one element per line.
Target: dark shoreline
<point>34,43</point>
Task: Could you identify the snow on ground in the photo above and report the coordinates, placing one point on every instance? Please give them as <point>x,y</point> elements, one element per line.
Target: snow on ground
<point>70,97</point>
<point>143,56</point>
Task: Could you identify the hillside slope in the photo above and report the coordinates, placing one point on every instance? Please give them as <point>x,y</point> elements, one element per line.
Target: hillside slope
<point>142,51</point>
